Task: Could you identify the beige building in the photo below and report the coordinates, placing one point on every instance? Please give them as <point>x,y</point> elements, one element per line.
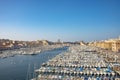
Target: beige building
<point>82,43</point>
<point>112,44</point>
<point>45,42</point>
<point>116,46</point>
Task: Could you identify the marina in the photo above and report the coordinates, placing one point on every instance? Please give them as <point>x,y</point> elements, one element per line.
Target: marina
<point>60,40</point>
<point>78,63</point>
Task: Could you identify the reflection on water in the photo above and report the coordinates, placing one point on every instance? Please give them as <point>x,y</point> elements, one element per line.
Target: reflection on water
<point>21,67</point>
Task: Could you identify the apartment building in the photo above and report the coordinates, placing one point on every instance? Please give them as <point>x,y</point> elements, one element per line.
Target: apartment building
<point>111,44</point>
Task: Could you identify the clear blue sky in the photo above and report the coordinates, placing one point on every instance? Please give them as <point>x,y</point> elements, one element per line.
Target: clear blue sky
<point>68,20</point>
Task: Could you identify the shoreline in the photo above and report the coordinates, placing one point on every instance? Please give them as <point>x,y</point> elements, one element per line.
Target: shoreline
<point>28,51</point>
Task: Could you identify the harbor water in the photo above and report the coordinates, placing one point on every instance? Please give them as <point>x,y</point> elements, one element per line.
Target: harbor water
<point>21,67</point>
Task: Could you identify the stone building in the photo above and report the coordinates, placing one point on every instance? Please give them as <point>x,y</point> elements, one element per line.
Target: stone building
<point>116,46</point>
<point>112,44</point>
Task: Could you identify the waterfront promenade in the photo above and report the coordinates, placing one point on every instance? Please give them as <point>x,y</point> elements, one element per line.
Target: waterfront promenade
<point>78,63</point>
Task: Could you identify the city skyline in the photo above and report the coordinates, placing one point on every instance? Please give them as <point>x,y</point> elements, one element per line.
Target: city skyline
<point>59,19</point>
